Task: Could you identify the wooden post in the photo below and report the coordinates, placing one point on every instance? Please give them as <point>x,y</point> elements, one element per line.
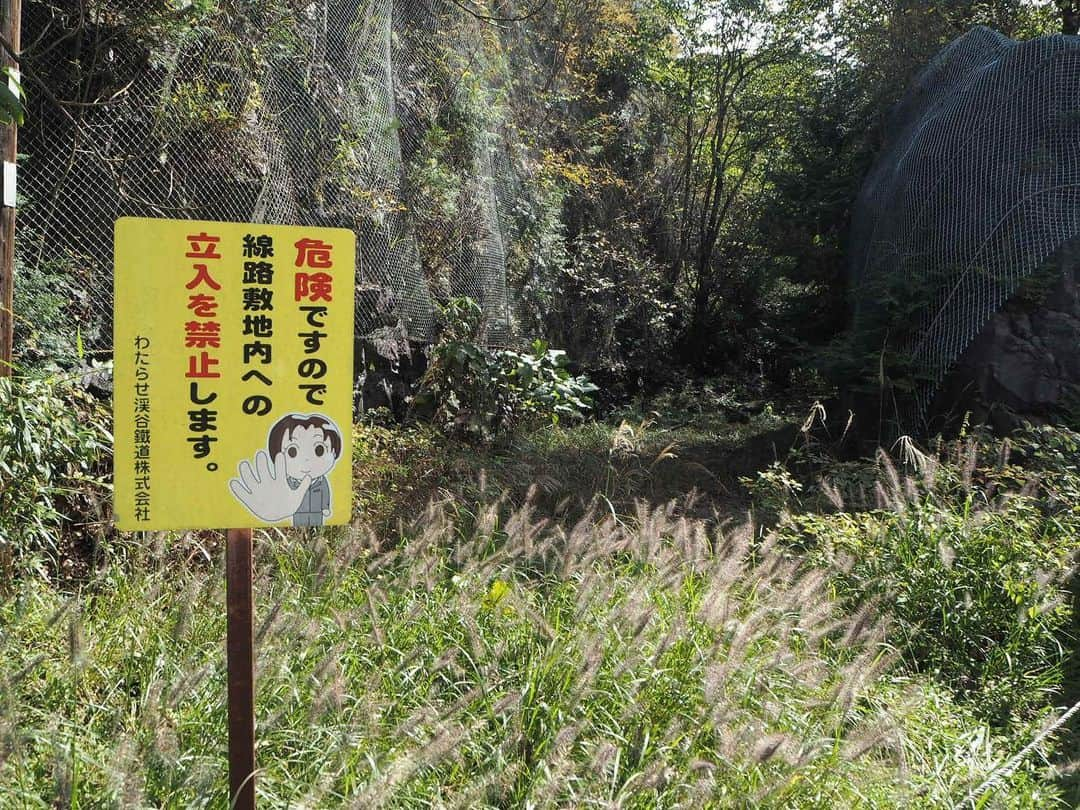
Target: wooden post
<point>240,643</point>
<point>10,29</point>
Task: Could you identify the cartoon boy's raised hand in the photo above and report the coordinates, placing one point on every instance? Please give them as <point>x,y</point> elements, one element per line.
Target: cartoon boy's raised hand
<point>304,449</point>
<point>265,490</point>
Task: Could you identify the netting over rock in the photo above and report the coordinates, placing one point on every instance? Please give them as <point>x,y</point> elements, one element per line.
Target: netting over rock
<point>382,116</point>
<point>977,187</point>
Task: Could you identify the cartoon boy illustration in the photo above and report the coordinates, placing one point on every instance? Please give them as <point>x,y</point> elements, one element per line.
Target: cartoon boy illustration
<point>291,480</point>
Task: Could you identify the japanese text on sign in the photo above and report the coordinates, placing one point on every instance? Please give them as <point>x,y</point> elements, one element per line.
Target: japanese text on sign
<point>238,373</point>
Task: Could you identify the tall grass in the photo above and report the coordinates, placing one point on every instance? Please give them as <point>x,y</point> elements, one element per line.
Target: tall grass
<point>970,550</point>
<point>485,658</point>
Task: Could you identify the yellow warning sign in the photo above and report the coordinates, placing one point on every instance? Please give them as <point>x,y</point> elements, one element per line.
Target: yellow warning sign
<point>233,374</point>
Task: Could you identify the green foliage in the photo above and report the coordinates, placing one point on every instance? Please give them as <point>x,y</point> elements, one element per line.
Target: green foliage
<point>971,562</point>
<point>12,97</point>
<point>872,362</point>
<point>397,466</point>
<point>51,305</point>
<point>477,392</point>
<point>1052,455</point>
<point>53,437</point>
<point>490,661</point>
<point>611,309</point>
<point>442,201</point>
<point>198,106</point>
<point>772,490</point>
<point>691,456</point>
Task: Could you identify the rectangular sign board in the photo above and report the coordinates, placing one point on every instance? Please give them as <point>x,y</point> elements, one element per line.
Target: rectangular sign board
<point>233,374</point>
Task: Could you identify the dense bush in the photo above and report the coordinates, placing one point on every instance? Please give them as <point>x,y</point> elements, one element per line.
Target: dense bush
<point>52,316</point>
<point>53,436</point>
<point>970,556</point>
<point>478,392</point>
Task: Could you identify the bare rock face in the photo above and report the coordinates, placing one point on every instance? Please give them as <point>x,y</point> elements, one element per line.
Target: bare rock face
<point>1025,363</point>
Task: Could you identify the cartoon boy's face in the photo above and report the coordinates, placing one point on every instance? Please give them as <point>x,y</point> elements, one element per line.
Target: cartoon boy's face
<point>307,451</point>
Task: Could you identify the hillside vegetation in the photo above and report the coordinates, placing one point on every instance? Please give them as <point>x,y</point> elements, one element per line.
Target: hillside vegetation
<point>555,629</point>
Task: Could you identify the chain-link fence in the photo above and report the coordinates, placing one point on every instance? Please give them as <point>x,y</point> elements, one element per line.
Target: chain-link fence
<point>978,186</point>
<point>383,116</point>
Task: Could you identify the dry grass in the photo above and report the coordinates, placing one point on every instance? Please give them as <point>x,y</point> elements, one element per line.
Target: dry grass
<point>486,658</point>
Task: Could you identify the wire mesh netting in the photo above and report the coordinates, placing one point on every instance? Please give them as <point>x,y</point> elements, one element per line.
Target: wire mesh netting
<point>978,185</point>
<point>382,116</point>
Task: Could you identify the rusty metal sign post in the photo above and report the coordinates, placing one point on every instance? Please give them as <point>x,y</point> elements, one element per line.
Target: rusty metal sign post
<point>240,653</point>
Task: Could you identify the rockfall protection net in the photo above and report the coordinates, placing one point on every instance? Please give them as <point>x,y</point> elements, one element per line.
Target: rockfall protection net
<point>977,186</point>
<point>382,116</point>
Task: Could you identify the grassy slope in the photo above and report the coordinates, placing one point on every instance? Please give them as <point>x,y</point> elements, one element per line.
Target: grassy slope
<point>695,458</point>
<point>490,656</point>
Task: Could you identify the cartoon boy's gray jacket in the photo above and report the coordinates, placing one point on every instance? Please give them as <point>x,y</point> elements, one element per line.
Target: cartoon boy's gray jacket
<point>317,499</point>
